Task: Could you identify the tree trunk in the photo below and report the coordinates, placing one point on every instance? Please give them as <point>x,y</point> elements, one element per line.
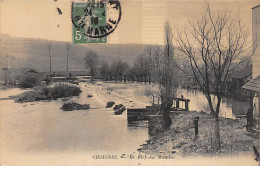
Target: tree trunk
<point>216,129</point>
<point>166,105</point>
<point>216,140</point>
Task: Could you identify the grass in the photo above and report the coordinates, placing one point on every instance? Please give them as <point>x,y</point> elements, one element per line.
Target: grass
<point>60,90</point>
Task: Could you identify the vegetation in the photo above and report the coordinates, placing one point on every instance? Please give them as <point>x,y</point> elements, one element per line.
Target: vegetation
<point>74,106</point>
<point>31,96</point>
<point>60,90</point>
<point>29,80</point>
<point>91,62</point>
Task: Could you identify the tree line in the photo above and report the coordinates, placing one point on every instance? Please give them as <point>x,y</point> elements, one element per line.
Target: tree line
<point>145,67</point>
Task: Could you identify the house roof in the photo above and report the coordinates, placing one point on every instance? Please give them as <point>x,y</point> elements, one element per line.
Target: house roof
<point>256,6</point>
<point>253,84</point>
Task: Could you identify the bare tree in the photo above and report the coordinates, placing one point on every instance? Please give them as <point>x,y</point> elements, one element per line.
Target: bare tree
<point>104,69</point>
<point>215,45</point>
<point>91,62</point>
<point>141,65</point>
<point>160,61</point>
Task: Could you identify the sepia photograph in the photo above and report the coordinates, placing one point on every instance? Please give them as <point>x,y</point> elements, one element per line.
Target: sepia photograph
<point>129,82</point>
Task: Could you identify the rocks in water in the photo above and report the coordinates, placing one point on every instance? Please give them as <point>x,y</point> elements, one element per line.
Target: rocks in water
<point>74,106</point>
<point>90,95</point>
<point>119,109</point>
<point>110,104</point>
<point>118,106</point>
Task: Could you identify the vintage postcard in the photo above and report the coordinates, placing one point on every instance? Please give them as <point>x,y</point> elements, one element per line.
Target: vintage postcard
<point>129,82</point>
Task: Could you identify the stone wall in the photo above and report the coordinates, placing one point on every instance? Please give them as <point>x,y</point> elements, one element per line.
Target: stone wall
<point>137,114</point>
<point>155,124</point>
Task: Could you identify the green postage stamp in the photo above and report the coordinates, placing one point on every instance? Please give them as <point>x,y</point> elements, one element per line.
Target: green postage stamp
<point>94,20</point>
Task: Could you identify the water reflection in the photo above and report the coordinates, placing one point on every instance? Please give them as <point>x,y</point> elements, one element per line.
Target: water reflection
<point>229,106</point>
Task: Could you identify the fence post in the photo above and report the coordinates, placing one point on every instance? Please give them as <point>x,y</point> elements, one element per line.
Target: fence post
<point>177,103</point>
<point>196,124</point>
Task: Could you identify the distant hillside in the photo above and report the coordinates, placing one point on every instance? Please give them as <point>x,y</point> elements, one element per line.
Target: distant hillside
<point>33,53</point>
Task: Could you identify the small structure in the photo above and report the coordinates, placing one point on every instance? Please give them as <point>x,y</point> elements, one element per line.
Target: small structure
<point>237,78</point>
<point>254,85</point>
<point>152,114</point>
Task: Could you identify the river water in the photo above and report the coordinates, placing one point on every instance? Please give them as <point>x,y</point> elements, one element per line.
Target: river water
<point>42,127</point>
<point>229,107</point>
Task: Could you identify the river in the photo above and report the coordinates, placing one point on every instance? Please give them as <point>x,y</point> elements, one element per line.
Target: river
<point>34,132</point>
<point>229,107</point>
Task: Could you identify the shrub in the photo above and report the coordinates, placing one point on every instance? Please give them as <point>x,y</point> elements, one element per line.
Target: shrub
<point>110,104</point>
<point>29,81</point>
<point>30,96</point>
<point>61,90</point>
<point>43,93</point>
<point>74,106</point>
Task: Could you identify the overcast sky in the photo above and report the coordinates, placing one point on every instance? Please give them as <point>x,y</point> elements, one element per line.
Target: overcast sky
<point>141,22</point>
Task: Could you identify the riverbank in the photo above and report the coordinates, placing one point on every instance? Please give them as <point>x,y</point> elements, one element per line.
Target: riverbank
<point>180,139</point>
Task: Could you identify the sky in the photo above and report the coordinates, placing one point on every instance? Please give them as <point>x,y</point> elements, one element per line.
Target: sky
<point>142,22</point>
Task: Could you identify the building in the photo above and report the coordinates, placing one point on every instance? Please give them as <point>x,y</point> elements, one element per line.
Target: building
<point>238,77</point>
<point>254,84</point>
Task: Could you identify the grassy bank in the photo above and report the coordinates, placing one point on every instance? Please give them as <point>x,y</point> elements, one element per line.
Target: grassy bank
<point>180,138</point>
<point>60,90</point>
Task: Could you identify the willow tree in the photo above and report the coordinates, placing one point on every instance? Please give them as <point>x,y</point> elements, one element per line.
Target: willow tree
<point>166,75</point>
<point>214,44</point>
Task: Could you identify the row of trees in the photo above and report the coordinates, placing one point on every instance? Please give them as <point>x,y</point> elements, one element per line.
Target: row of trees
<point>119,70</point>
<point>145,68</point>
